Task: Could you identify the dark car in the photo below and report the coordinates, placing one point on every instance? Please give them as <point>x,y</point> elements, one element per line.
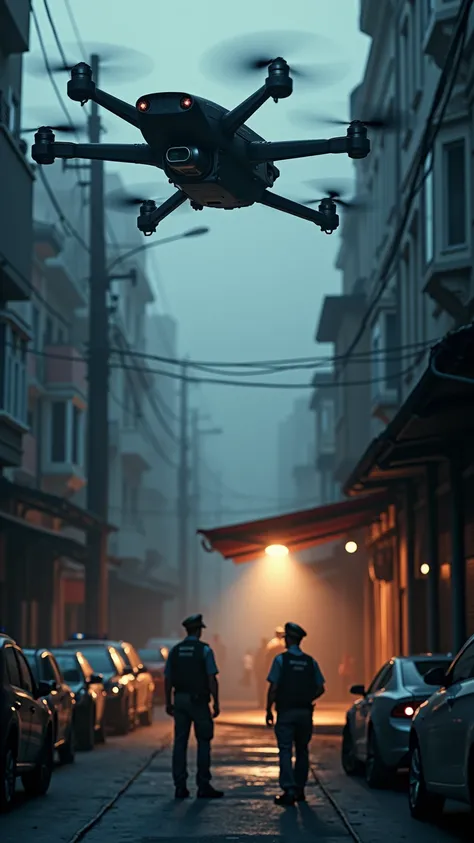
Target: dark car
<point>90,695</point>
<point>119,682</point>
<point>144,684</point>
<point>155,661</point>
<point>26,727</point>
<point>60,700</point>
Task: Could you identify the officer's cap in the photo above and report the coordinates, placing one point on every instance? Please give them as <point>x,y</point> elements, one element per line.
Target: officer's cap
<point>296,630</point>
<point>194,622</point>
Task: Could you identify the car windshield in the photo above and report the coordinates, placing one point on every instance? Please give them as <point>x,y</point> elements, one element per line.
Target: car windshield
<point>414,671</point>
<point>151,656</point>
<point>32,663</point>
<point>69,668</point>
<point>100,660</point>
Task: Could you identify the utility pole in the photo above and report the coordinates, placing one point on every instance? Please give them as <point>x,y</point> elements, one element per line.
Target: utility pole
<point>195,498</point>
<point>221,562</point>
<point>96,574</point>
<point>183,494</point>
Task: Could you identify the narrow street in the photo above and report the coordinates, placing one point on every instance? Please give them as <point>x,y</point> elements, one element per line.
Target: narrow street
<point>129,781</point>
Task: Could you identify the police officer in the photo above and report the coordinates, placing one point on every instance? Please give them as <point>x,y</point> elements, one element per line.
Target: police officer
<point>296,682</point>
<point>191,672</point>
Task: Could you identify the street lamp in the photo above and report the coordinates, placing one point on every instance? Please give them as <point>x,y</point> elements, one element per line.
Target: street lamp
<point>425,569</point>
<point>351,547</point>
<point>192,232</point>
<point>277,551</point>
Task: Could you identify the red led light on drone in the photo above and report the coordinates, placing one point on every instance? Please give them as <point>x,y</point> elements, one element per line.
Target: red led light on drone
<point>186,102</point>
<point>143,105</point>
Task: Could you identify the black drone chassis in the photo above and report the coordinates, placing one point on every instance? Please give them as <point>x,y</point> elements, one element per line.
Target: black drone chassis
<point>207,152</point>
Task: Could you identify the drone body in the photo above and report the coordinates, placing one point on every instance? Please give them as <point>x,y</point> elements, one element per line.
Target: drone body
<point>208,152</point>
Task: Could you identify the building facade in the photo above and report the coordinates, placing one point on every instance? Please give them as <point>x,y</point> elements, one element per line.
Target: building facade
<point>395,304</point>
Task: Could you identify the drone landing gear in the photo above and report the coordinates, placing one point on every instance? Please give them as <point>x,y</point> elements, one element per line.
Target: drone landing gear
<point>326,217</point>
<point>151,215</point>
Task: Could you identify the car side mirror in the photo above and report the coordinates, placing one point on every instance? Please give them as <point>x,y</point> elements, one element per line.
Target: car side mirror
<point>358,690</point>
<point>435,677</point>
<point>96,678</point>
<point>43,688</point>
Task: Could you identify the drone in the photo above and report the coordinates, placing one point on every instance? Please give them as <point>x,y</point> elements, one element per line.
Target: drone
<point>207,152</point>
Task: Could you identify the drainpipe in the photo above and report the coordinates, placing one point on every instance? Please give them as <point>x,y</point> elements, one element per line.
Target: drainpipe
<point>410,533</point>
<point>431,484</point>
<point>458,553</point>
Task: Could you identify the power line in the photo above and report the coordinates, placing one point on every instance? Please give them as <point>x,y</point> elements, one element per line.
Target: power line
<point>75,28</point>
<point>424,149</point>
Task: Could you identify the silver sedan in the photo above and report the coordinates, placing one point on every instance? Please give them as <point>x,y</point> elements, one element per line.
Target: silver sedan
<point>377,731</point>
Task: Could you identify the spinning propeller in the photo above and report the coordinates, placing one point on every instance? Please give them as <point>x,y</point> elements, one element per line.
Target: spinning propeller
<point>60,128</point>
<point>375,121</point>
<point>249,55</point>
<point>335,191</point>
<point>117,60</point>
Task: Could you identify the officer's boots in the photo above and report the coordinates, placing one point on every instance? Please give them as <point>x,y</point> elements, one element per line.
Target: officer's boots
<point>209,792</point>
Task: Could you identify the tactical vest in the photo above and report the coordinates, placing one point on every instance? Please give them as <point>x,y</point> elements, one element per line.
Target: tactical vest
<point>188,669</point>
<point>297,685</point>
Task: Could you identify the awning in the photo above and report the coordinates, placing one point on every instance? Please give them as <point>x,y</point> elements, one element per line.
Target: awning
<point>438,412</point>
<point>59,544</point>
<point>295,530</point>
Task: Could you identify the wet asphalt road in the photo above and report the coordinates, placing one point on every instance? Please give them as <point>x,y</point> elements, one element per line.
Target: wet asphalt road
<point>245,766</point>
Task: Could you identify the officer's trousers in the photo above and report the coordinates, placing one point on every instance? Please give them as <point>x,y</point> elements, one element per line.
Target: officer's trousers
<point>189,712</point>
<point>294,728</point>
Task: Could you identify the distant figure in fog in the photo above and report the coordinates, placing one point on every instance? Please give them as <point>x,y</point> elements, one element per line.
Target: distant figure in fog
<point>260,670</point>
<point>247,675</point>
<point>191,673</point>
<point>219,649</point>
<point>296,682</point>
<point>275,647</point>
<point>346,673</point>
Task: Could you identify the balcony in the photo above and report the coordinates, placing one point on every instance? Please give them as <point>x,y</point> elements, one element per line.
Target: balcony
<point>16,226</point>
<point>65,371</point>
<point>129,544</point>
<point>63,445</point>
<point>48,240</point>
<point>13,387</point>
<point>29,463</point>
<point>135,449</point>
<point>14,26</point>
<point>440,28</point>
<point>63,283</point>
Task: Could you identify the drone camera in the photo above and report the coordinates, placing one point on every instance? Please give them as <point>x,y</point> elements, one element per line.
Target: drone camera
<point>188,161</point>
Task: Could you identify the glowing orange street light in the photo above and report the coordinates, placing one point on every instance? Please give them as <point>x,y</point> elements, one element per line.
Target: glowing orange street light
<point>277,551</point>
<point>425,569</point>
<point>351,547</point>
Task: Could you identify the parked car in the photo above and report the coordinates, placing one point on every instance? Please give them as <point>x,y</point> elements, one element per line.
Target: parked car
<point>89,694</point>
<point>144,685</point>
<point>442,739</point>
<point>119,682</point>
<point>26,727</point>
<point>376,736</point>
<point>60,700</point>
<point>164,645</point>
<point>155,661</point>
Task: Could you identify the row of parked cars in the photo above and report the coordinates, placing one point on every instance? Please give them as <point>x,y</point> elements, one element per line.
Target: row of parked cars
<point>54,701</point>
<point>417,714</point>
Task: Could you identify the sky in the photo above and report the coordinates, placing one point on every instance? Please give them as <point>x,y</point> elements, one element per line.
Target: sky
<point>253,287</point>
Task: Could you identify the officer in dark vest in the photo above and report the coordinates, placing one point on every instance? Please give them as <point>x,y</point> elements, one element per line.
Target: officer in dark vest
<point>191,673</point>
<point>296,682</point>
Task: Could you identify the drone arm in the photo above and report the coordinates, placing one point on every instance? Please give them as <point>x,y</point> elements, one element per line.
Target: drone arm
<point>327,222</point>
<point>121,109</point>
<point>239,115</point>
<point>45,150</point>
<point>284,150</point>
<point>151,216</point>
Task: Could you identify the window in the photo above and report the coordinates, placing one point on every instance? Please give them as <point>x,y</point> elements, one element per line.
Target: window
<point>428,199</point>
<point>385,367</point>
<point>76,435</point>
<point>13,361</point>
<point>392,365</point>
<point>377,681</point>
<point>26,678</point>
<point>326,417</point>
<point>455,196</point>
<point>48,331</point>
<point>47,672</point>
<point>463,667</point>
<point>58,431</point>
<point>11,665</point>
<point>35,326</point>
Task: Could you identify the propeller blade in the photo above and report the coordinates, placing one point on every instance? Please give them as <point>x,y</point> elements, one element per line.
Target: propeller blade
<point>197,232</point>
<point>381,122</point>
<point>117,60</point>
<point>244,56</point>
<point>62,128</point>
<point>336,187</point>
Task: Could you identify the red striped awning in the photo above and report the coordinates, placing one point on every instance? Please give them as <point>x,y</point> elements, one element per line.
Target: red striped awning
<point>296,530</point>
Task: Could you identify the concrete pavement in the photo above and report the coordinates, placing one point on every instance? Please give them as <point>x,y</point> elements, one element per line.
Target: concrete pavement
<point>329,718</point>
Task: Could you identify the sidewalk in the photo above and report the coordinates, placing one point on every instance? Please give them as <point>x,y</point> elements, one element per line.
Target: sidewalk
<point>328,718</point>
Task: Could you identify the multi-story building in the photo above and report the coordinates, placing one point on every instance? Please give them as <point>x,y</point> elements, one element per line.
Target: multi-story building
<point>297,480</point>
<point>397,309</point>
<point>323,406</point>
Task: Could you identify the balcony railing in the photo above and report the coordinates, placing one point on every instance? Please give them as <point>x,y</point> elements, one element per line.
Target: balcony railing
<point>65,369</point>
